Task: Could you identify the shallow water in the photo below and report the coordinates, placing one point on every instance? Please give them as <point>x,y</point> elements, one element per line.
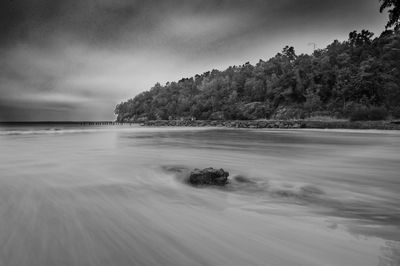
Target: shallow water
<point>116,196</point>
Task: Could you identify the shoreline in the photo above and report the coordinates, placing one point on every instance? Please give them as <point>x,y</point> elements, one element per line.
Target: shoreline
<point>295,124</point>
<point>280,124</point>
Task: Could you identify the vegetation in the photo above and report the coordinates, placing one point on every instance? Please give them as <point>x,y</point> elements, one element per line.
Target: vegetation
<point>358,79</point>
<point>369,114</point>
<point>394,13</point>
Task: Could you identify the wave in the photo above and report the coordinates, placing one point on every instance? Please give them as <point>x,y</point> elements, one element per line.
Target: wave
<point>48,131</point>
<point>13,131</point>
<point>242,183</point>
<point>367,212</point>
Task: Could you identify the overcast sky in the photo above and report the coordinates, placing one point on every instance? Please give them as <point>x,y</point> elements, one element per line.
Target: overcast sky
<point>76,59</point>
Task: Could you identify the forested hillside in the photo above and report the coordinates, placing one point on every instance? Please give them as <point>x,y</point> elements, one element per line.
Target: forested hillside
<point>358,78</point>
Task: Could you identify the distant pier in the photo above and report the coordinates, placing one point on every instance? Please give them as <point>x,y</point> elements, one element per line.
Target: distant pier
<point>71,123</point>
<point>103,123</point>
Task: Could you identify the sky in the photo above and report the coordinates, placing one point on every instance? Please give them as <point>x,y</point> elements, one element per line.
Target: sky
<point>75,60</point>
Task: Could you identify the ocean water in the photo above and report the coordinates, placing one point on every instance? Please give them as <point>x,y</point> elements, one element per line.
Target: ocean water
<point>116,195</point>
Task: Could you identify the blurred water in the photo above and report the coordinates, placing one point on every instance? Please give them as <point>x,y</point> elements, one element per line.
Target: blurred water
<point>114,196</point>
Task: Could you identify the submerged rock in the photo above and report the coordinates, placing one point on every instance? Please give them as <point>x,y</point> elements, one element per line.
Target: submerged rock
<point>243,179</point>
<point>208,176</point>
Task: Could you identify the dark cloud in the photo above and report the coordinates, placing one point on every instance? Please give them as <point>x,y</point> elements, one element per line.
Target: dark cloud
<point>107,21</point>
<point>76,59</point>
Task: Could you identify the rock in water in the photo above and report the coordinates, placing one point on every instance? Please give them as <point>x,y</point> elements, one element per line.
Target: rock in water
<point>208,176</point>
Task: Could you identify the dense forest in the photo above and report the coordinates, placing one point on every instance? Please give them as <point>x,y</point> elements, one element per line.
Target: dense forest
<point>358,79</point>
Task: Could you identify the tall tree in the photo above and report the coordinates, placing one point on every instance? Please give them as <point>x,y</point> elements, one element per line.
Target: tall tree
<point>394,12</point>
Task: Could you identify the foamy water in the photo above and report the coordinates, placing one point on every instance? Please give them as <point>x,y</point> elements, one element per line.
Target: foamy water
<point>115,196</point>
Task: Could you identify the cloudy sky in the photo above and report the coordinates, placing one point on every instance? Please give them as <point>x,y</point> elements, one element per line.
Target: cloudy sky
<point>76,59</point>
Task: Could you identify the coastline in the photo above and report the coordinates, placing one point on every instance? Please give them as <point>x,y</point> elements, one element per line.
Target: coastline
<point>289,124</point>
<point>335,124</point>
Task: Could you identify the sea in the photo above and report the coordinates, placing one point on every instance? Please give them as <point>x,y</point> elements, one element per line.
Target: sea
<point>78,194</point>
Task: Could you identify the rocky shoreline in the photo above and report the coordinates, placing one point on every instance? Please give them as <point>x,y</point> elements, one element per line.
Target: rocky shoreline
<point>385,125</point>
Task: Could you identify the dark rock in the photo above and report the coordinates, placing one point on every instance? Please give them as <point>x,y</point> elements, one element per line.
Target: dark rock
<point>208,176</point>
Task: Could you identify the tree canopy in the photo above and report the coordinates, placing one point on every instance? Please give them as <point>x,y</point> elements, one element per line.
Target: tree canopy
<point>360,73</point>
<point>394,12</point>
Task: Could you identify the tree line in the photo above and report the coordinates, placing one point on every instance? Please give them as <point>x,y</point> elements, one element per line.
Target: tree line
<point>358,78</point>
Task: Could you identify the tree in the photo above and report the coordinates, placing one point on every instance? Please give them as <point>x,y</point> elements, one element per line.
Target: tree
<point>361,73</point>
<point>394,13</point>
<point>289,53</point>
<point>359,39</point>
